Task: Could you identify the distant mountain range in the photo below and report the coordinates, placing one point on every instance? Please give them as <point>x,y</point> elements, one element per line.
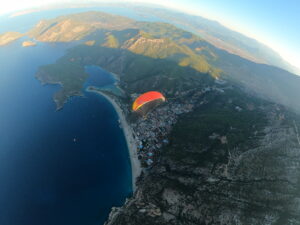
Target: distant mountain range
<point>164,41</point>
<point>221,37</point>
<point>211,31</point>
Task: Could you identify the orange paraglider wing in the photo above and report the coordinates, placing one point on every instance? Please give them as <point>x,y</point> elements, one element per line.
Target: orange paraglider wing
<point>145,98</point>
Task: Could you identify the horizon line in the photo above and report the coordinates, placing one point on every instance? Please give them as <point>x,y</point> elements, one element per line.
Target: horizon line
<point>63,5</point>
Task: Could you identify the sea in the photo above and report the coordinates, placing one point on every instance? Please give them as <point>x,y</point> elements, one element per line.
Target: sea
<point>66,167</point>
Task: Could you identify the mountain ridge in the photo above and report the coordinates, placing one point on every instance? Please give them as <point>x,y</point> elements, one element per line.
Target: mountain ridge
<point>161,40</point>
<point>222,37</point>
<point>211,30</point>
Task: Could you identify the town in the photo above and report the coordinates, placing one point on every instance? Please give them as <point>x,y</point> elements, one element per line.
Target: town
<point>151,131</point>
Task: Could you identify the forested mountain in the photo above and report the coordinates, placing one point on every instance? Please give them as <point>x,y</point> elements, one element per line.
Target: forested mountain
<point>221,37</point>
<point>165,41</point>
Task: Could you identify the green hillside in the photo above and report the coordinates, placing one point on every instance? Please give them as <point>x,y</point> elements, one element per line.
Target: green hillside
<point>156,40</point>
<point>138,73</point>
<point>220,36</point>
<point>164,41</point>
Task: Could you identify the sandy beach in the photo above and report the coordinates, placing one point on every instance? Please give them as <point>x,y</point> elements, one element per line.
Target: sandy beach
<point>135,163</point>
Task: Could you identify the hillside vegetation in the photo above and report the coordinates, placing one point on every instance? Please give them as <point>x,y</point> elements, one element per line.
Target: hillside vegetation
<point>222,166</point>
<point>164,41</point>
<point>138,73</point>
<point>220,36</point>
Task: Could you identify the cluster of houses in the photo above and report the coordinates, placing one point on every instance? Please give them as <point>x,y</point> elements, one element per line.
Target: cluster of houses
<point>151,132</point>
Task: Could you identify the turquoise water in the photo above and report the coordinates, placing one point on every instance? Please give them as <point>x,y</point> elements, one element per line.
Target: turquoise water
<point>105,82</point>
<point>65,167</point>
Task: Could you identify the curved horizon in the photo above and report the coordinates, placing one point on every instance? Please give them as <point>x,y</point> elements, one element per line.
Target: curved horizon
<point>285,45</point>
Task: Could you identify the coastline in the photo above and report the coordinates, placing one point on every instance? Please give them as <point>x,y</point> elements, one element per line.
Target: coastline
<point>128,133</point>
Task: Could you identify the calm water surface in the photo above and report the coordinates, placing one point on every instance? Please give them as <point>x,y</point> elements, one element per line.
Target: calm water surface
<point>56,168</point>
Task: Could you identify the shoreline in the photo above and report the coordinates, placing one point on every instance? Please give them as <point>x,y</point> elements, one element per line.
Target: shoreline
<point>136,168</point>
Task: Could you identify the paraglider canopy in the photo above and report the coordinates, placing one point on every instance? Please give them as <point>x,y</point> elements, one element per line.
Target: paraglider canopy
<point>151,98</point>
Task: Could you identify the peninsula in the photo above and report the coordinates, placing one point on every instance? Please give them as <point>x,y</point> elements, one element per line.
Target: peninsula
<point>9,37</point>
<point>157,43</point>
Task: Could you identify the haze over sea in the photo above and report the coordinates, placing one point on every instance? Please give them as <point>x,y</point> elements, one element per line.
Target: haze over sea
<point>65,167</point>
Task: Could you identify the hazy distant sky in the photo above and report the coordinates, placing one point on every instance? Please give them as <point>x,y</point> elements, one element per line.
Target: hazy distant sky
<point>275,23</point>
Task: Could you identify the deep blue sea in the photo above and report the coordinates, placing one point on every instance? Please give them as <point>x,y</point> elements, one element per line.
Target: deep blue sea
<point>57,168</point>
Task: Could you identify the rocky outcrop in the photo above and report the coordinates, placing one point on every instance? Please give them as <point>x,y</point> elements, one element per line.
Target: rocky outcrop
<point>28,43</point>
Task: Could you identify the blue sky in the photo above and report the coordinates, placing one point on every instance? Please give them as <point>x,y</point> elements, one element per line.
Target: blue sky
<point>275,23</point>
